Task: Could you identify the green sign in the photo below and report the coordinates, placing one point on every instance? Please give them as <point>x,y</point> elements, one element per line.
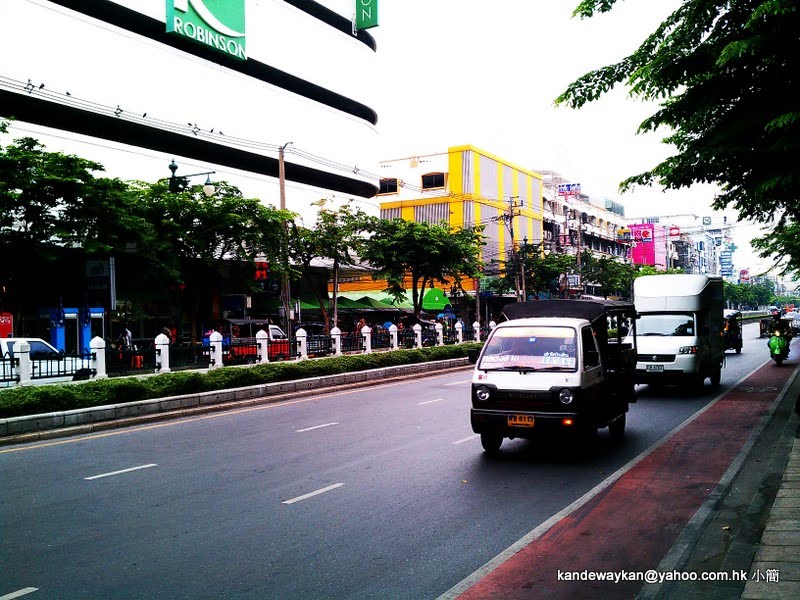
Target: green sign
<point>216,23</point>
<point>366,14</point>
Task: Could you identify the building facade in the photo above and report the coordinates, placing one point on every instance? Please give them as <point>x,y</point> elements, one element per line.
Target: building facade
<point>464,187</point>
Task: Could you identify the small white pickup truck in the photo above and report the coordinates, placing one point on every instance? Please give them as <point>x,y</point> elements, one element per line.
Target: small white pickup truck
<point>48,365</point>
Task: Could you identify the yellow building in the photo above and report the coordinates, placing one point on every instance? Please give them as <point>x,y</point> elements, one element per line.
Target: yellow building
<point>467,186</point>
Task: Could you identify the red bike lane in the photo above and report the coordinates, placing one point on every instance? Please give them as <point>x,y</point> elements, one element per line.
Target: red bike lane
<point>632,524</point>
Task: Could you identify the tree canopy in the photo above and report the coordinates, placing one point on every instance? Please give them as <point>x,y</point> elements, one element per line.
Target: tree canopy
<point>425,253</point>
<point>725,75</point>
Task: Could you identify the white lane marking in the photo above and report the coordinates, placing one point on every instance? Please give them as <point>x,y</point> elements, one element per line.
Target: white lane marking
<point>429,401</point>
<point>119,473</point>
<point>316,427</point>
<point>312,494</point>
<point>466,439</point>
<point>459,382</point>
<point>19,593</point>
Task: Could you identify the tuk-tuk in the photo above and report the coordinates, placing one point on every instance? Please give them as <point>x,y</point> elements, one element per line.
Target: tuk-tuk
<point>732,331</point>
<point>555,366</point>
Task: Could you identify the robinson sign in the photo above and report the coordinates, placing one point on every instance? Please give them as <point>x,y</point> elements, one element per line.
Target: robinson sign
<point>216,23</point>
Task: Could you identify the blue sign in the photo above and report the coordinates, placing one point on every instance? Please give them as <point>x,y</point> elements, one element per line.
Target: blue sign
<point>569,189</point>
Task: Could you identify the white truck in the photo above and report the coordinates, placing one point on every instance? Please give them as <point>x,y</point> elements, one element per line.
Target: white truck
<point>679,329</point>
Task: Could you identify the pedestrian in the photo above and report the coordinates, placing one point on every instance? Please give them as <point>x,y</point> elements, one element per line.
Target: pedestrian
<point>125,338</point>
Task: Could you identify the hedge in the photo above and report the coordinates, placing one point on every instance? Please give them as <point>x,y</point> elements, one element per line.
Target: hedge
<point>32,400</point>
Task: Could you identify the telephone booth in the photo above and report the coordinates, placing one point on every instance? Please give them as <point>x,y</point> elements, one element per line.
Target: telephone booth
<point>71,329</point>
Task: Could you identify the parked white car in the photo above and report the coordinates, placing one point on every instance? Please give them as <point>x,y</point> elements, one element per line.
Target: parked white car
<point>48,365</point>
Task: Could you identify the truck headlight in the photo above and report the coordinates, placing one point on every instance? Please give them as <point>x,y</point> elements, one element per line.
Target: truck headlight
<point>482,393</point>
<point>566,396</point>
<point>688,350</point>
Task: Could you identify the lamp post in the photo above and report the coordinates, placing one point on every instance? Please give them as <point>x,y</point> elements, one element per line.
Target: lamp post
<point>178,183</point>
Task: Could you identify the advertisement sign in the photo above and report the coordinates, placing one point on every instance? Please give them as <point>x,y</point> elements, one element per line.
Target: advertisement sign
<point>569,189</point>
<point>674,232</point>
<point>6,324</point>
<point>216,23</point>
<point>366,14</point>
<point>744,275</point>
<point>623,234</point>
<point>646,235</point>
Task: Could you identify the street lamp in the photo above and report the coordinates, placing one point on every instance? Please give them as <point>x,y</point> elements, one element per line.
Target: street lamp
<point>180,183</point>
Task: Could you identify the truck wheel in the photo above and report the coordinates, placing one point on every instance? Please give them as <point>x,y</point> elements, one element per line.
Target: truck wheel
<point>491,443</point>
<point>716,377</point>
<point>616,429</point>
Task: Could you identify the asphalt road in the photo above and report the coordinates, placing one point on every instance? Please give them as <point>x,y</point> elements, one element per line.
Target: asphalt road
<point>381,492</point>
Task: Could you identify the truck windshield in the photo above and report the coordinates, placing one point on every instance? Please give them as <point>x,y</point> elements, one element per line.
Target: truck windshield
<point>665,324</point>
<point>528,348</point>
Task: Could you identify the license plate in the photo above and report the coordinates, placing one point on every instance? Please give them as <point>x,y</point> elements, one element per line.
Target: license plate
<point>654,367</point>
<point>520,420</point>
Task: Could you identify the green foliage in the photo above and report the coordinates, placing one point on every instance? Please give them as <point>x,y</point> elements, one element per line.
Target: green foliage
<point>337,236</point>
<point>33,400</point>
<point>425,253</point>
<point>747,295</point>
<point>723,75</point>
<point>542,270</point>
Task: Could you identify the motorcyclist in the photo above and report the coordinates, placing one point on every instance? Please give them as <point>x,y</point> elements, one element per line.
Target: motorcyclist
<point>778,324</point>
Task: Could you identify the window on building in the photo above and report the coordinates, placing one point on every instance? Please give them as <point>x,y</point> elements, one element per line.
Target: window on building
<point>432,181</point>
<point>388,185</point>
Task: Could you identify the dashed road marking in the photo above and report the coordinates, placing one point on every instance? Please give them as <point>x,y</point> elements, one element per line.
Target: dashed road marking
<point>316,427</point>
<point>19,593</point>
<point>466,439</point>
<point>119,473</point>
<point>312,494</point>
<point>430,401</point>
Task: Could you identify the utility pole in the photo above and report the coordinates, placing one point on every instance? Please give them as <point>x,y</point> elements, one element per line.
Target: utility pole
<point>285,292</point>
<point>510,225</point>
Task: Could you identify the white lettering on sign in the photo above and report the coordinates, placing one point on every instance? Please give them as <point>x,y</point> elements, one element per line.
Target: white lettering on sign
<point>220,42</point>
<point>366,9</point>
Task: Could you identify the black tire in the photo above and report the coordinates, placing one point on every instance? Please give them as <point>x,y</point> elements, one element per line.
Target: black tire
<point>739,350</point>
<point>778,361</point>
<point>616,429</point>
<point>716,377</point>
<point>491,443</point>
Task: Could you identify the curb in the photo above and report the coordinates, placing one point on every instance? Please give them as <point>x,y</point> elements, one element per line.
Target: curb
<point>33,428</point>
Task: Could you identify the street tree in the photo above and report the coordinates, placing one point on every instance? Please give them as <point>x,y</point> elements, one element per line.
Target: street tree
<point>543,269</point>
<point>610,275</point>
<point>51,202</point>
<point>723,75</point>
<point>416,256</point>
<point>338,236</point>
<point>201,238</point>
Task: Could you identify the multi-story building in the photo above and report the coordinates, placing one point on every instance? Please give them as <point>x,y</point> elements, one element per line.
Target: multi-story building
<point>134,84</point>
<point>463,187</point>
<point>214,90</point>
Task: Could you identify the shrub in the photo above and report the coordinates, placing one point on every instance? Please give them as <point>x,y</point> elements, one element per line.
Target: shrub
<point>58,397</point>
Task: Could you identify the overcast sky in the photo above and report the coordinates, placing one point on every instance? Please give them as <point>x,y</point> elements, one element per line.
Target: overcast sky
<point>481,72</point>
